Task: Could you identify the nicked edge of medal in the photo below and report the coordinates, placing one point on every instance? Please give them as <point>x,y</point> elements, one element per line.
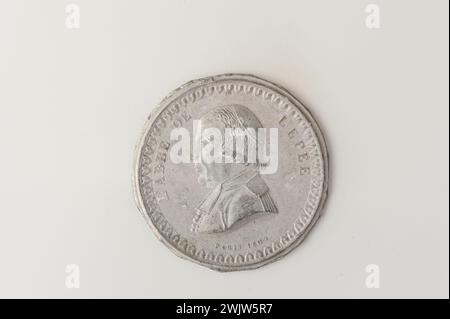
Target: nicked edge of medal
<point>258,81</point>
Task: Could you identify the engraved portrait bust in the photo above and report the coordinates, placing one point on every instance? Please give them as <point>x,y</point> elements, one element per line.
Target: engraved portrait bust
<point>238,193</point>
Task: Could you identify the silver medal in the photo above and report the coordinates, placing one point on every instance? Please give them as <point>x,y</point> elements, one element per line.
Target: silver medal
<point>231,172</point>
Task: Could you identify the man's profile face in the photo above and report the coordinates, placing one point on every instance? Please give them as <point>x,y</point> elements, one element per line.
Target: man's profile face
<point>210,175</point>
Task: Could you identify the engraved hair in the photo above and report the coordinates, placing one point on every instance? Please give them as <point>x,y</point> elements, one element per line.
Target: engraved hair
<point>239,128</point>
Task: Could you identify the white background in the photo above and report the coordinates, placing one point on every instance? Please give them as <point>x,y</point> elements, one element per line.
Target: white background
<point>73,103</point>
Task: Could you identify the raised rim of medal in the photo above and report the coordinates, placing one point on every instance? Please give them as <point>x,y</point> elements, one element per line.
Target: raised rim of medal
<point>181,247</point>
